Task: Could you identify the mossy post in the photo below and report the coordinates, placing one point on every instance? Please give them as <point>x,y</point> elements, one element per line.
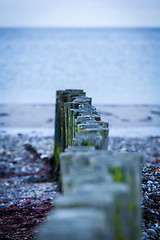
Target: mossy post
<point>74,113</point>
<point>103,131</point>
<point>59,139</point>
<point>68,126</point>
<point>90,139</point>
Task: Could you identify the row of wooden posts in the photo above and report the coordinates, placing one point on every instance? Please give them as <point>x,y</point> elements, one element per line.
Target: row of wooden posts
<point>101,196</point>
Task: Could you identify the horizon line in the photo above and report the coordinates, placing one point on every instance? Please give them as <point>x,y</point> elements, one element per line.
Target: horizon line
<point>82,27</point>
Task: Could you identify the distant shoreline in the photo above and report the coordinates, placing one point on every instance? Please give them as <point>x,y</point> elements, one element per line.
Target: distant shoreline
<point>95,104</point>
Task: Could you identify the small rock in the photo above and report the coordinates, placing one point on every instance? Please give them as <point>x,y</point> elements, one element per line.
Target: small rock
<point>44,157</point>
<point>144,235</point>
<point>17,159</point>
<point>4,114</point>
<point>152,231</point>
<point>30,149</point>
<point>157,173</point>
<point>50,120</point>
<point>147,119</point>
<point>2,151</point>
<point>125,120</point>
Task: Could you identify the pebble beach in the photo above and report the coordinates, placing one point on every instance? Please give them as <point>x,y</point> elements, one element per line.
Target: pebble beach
<point>27,191</point>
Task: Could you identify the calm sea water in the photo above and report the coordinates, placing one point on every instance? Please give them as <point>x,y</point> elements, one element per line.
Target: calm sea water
<point>114,66</point>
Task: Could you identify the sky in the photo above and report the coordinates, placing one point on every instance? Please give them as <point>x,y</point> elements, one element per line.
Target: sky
<point>79,13</point>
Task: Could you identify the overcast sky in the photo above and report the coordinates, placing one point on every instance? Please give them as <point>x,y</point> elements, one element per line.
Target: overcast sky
<point>80,13</point>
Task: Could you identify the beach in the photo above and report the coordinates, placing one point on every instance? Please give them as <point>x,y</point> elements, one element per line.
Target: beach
<point>26,147</point>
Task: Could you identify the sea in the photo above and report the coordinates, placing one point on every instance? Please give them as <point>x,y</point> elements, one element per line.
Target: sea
<point>112,65</point>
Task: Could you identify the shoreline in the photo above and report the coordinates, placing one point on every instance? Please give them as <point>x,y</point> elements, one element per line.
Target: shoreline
<point>95,104</point>
<point>124,120</point>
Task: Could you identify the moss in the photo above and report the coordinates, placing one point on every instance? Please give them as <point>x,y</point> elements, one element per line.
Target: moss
<point>78,128</point>
<point>118,227</point>
<point>86,143</point>
<point>130,206</point>
<point>89,145</point>
<point>117,174</point>
<point>56,154</point>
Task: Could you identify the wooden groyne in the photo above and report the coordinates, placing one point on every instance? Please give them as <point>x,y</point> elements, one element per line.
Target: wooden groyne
<point>101,196</point>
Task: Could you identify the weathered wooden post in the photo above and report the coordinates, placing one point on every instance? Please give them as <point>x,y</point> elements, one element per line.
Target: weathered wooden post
<point>101,189</point>
<point>76,224</point>
<point>61,98</point>
<point>81,169</point>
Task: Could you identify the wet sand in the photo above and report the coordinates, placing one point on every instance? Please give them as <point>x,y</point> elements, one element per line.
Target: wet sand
<point>124,120</point>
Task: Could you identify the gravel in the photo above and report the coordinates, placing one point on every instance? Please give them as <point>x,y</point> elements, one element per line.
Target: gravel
<point>28,192</point>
